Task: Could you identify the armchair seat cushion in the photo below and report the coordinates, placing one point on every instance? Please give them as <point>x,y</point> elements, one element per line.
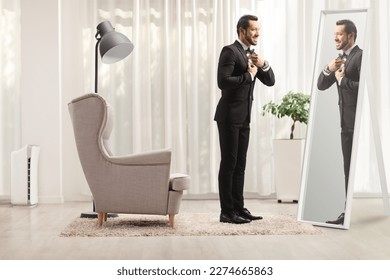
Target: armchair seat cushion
<point>179,182</point>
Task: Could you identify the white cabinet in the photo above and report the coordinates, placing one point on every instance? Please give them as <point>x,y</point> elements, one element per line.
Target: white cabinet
<point>288,159</point>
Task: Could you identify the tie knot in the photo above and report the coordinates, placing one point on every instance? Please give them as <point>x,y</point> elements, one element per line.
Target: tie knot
<point>250,51</point>
<point>344,55</point>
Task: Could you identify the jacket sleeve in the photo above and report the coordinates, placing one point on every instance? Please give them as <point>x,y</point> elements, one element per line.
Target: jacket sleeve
<point>324,82</point>
<point>266,77</point>
<point>226,76</point>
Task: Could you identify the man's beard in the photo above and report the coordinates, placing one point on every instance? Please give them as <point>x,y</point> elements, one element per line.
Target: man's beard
<point>342,45</point>
<point>250,41</point>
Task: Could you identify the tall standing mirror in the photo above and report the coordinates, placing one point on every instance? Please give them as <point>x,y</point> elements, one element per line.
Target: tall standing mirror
<point>325,190</point>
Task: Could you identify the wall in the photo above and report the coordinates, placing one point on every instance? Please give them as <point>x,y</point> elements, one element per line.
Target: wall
<point>75,187</point>
<point>48,84</point>
<point>41,92</point>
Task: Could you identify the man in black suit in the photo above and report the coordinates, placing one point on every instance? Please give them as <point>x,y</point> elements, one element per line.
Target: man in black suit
<point>238,68</point>
<point>345,72</point>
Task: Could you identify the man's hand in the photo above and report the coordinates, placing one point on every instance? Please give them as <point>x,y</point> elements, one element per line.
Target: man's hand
<point>340,73</point>
<point>257,60</point>
<point>252,69</point>
<point>335,64</point>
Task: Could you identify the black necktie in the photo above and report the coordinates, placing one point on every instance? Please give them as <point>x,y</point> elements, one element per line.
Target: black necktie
<point>344,55</point>
<point>250,51</point>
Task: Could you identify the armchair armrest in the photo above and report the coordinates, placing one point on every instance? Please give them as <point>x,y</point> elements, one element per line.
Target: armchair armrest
<point>179,182</point>
<point>158,157</point>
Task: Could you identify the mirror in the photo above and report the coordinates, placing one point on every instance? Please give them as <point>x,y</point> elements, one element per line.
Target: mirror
<point>326,194</point>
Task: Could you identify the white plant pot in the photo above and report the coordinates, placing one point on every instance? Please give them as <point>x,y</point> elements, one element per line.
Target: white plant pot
<point>288,159</point>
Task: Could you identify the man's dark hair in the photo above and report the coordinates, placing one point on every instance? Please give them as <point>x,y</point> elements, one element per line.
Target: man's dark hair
<point>243,22</point>
<point>349,26</point>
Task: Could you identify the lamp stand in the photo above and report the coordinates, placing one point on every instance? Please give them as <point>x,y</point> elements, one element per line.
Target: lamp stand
<point>96,61</point>
<point>92,214</point>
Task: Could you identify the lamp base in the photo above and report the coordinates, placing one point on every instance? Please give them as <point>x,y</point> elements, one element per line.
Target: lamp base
<point>94,215</point>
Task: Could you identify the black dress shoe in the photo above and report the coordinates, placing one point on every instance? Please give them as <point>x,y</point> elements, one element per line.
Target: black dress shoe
<point>338,221</point>
<point>244,213</point>
<point>233,218</point>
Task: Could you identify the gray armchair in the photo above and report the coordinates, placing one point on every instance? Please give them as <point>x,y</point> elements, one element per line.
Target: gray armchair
<point>131,184</point>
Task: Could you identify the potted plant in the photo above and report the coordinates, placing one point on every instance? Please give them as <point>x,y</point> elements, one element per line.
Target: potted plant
<point>294,105</point>
<point>288,155</point>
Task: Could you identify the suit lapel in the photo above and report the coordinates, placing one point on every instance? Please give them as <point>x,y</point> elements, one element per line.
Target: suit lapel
<point>241,50</point>
<point>351,55</point>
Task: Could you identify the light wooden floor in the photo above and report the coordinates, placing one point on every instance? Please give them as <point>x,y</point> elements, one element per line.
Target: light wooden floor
<point>33,233</point>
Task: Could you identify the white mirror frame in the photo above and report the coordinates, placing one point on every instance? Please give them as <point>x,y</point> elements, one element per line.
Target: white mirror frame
<point>362,81</point>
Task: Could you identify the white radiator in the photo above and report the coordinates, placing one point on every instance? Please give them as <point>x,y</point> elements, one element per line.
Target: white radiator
<point>24,176</point>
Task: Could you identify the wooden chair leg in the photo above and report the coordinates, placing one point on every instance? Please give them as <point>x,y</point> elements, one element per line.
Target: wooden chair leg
<point>105,217</point>
<point>172,220</point>
<point>100,219</point>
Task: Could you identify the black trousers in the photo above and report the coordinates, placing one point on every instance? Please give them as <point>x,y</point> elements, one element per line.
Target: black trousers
<point>234,141</point>
<point>346,146</point>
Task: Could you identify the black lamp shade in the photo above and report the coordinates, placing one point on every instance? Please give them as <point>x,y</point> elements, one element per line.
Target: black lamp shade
<point>114,46</point>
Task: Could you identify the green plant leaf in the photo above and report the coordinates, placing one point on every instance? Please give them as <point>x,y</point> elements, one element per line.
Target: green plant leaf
<point>294,105</point>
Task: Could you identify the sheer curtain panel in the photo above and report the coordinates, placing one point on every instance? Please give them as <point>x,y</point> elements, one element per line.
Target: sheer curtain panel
<point>165,92</point>
<point>9,89</point>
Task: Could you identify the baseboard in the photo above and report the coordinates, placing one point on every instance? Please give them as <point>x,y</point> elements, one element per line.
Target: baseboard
<point>367,195</point>
<point>79,198</point>
<point>215,196</point>
<point>5,199</point>
<point>51,199</point>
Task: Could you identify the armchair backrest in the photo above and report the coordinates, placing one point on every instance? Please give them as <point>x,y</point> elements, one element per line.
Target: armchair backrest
<point>116,186</point>
<point>89,115</point>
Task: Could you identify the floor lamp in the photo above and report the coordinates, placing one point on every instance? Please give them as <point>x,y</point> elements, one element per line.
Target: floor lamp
<point>113,47</point>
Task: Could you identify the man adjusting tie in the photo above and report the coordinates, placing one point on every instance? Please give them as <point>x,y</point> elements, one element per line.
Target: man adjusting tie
<point>238,68</point>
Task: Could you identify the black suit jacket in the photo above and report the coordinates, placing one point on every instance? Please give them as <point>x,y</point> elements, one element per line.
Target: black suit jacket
<point>348,89</point>
<point>236,85</point>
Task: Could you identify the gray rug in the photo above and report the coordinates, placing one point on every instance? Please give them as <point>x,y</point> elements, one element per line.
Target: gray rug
<point>186,224</point>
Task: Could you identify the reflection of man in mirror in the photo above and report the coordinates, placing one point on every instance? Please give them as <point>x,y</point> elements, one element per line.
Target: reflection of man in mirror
<point>345,72</point>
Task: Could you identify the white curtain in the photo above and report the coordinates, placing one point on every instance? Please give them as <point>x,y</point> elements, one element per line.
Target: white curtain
<point>165,92</point>
<point>377,100</point>
<point>9,88</point>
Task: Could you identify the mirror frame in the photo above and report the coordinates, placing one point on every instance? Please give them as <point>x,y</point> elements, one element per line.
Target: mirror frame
<point>308,143</point>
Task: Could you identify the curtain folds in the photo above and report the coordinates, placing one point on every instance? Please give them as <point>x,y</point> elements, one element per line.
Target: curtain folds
<point>165,93</point>
<point>9,88</point>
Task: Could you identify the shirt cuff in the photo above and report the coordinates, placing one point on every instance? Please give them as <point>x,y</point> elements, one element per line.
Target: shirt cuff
<point>266,66</point>
<point>326,71</point>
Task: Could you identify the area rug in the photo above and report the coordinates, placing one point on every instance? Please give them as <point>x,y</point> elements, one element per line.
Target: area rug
<point>186,224</point>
